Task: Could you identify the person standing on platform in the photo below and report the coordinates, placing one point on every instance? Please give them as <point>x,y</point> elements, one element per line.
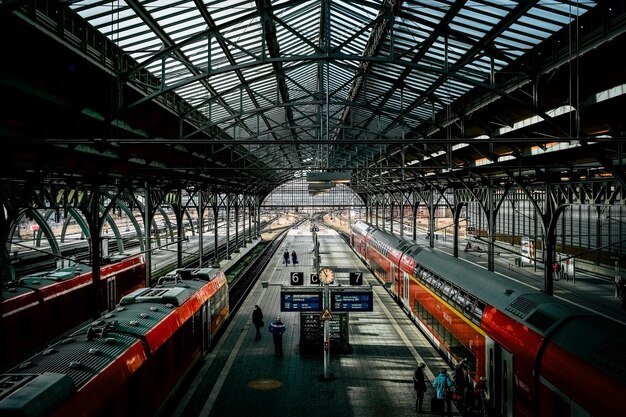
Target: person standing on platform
<point>442,384</point>
<point>257,320</point>
<point>419,383</point>
<point>294,257</point>
<point>277,328</point>
<point>460,380</point>
<point>621,292</point>
<point>286,257</point>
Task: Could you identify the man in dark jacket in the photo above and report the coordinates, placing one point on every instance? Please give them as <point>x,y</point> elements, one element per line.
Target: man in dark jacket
<point>419,383</point>
<point>277,328</point>
<point>257,320</point>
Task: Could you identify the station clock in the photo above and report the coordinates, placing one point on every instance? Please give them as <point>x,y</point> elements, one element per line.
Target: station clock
<point>327,275</point>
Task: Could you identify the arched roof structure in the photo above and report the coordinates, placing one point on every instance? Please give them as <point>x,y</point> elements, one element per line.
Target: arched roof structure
<point>237,96</point>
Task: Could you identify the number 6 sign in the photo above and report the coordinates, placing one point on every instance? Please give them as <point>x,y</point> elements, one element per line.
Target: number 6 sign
<point>297,278</point>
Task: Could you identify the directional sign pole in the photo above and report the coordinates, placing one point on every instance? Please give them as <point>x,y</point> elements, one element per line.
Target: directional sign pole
<point>326,332</point>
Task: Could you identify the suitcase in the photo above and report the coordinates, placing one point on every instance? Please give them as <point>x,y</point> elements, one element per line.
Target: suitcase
<point>436,405</point>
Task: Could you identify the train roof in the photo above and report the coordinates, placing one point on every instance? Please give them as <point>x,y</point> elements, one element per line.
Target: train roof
<point>361,227</point>
<point>39,280</point>
<point>519,301</point>
<point>206,274</point>
<point>599,341</point>
<point>389,241</point>
<point>523,303</point>
<point>88,351</point>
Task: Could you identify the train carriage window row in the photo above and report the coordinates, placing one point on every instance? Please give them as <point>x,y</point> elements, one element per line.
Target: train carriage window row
<point>466,303</point>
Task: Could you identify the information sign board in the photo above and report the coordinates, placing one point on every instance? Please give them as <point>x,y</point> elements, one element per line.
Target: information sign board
<point>351,300</point>
<point>301,300</point>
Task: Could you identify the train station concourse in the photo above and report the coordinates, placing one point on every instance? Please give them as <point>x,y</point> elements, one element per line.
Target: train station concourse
<point>317,208</point>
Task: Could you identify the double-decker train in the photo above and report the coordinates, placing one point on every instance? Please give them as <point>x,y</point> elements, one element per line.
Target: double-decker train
<point>128,362</point>
<point>40,307</point>
<point>541,356</point>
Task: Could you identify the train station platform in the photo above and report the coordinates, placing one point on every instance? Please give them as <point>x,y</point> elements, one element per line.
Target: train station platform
<point>243,377</point>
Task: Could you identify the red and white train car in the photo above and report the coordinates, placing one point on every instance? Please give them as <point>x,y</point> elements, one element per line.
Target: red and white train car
<point>541,356</point>
<point>129,362</point>
<point>38,308</point>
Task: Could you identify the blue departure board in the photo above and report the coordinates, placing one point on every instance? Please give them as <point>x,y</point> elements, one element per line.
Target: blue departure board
<point>300,301</point>
<point>351,301</point>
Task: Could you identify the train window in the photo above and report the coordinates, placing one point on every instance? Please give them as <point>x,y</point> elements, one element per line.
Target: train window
<point>447,288</point>
<point>428,277</point>
<point>439,283</point>
<point>469,305</point>
<point>478,312</point>
<point>460,299</point>
<point>453,292</point>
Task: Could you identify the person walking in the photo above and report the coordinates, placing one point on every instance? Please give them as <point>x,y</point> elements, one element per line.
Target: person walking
<point>257,320</point>
<point>286,257</point>
<point>460,380</point>
<point>277,328</point>
<point>294,257</point>
<point>442,384</point>
<point>419,384</point>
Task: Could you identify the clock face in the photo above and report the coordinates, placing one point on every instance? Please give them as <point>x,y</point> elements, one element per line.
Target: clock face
<point>327,275</point>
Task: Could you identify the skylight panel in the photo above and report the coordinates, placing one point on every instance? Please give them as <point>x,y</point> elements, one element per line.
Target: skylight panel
<point>172,15</point>
<point>113,20</point>
<point>223,12</point>
<point>141,42</point>
<point>562,12</point>
<point>476,31</point>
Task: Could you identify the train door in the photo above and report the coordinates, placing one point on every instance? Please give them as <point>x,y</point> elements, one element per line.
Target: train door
<point>206,328</point>
<point>111,293</point>
<point>499,374</point>
<point>405,295</point>
<point>391,279</point>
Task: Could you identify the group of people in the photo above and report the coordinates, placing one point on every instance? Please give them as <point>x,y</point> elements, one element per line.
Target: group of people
<point>276,328</point>
<point>457,386</point>
<point>620,290</point>
<point>294,257</point>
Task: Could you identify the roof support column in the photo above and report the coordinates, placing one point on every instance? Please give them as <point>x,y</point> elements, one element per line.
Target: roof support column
<point>549,243</point>
<point>148,217</point>
<point>491,227</point>
<point>201,208</point>
<point>431,217</point>
<point>236,224</point>
<point>214,205</point>
<point>227,197</point>
<point>178,209</point>
<point>391,210</point>
<point>91,211</point>
<point>456,215</point>
<point>243,221</point>
<point>414,207</point>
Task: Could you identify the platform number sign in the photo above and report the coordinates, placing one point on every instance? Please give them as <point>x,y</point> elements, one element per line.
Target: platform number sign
<point>297,278</point>
<point>315,279</point>
<point>356,278</point>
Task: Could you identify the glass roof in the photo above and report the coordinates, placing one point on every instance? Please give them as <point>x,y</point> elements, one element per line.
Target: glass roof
<point>326,77</point>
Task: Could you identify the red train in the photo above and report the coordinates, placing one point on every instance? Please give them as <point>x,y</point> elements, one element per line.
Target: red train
<point>127,363</point>
<point>38,308</point>
<point>541,356</point>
